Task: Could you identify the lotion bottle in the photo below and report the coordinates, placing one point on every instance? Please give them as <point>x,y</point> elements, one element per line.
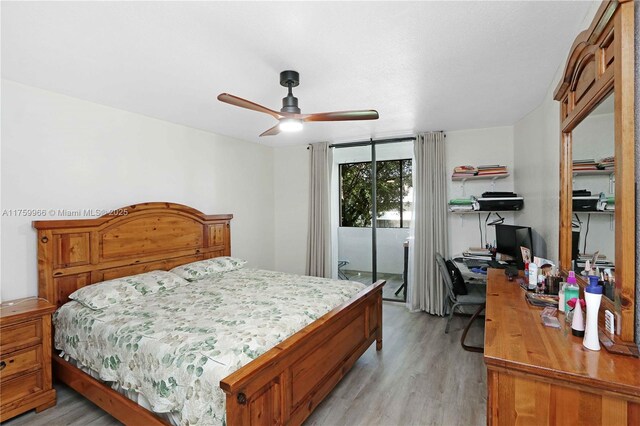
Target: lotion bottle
<point>592,296</point>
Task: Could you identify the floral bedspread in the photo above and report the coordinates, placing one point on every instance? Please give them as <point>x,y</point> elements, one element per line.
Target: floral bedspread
<point>176,346</point>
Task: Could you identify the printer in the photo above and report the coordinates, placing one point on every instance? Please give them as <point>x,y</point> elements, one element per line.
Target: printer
<point>500,201</point>
<point>583,201</point>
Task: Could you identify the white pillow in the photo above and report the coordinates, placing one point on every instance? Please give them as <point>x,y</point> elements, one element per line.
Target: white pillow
<point>107,293</point>
<point>203,268</point>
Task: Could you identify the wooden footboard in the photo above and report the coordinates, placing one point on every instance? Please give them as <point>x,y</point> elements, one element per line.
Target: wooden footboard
<point>284,385</point>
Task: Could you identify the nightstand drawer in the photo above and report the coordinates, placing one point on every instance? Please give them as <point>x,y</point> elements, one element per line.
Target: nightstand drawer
<point>21,335</point>
<point>21,386</point>
<point>29,359</point>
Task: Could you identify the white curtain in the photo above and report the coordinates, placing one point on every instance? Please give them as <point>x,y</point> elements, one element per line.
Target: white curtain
<point>429,233</point>
<point>319,233</point>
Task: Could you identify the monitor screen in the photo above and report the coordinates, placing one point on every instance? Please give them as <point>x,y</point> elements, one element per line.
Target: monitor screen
<point>575,245</point>
<point>509,239</point>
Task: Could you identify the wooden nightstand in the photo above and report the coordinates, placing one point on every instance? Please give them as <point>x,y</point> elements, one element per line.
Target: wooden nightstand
<point>25,357</point>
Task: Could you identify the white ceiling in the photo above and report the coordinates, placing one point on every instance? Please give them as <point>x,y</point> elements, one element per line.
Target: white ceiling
<point>422,65</point>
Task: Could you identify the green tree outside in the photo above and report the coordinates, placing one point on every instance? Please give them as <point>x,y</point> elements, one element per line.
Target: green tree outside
<point>393,185</point>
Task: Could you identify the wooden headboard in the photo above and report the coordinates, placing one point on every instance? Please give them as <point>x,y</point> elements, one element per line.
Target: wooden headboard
<point>128,241</point>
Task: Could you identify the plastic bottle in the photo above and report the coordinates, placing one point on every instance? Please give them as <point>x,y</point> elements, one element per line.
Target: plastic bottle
<point>571,290</point>
<point>561,297</point>
<point>533,276</point>
<point>577,323</point>
<point>593,296</point>
<point>541,284</point>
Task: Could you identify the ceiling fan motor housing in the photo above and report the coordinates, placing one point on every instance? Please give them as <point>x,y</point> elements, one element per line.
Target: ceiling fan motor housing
<point>290,79</point>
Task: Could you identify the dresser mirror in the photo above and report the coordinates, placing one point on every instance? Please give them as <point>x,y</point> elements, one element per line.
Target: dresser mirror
<point>597,121</point>
<point>593,194</point>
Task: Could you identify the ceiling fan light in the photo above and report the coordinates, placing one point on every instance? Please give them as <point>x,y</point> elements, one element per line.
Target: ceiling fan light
<point>290,125</point>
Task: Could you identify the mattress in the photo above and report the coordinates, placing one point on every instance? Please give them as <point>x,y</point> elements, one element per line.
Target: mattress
<point>173,348</point>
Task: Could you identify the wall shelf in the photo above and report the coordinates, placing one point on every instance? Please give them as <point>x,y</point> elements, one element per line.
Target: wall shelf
<point>482,211</point>
<point>604,212</point>
<point>479,177</point>
<point>592,172</point>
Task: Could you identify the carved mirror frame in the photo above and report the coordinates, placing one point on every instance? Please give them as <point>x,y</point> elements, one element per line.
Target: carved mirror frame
<point>601,61</point>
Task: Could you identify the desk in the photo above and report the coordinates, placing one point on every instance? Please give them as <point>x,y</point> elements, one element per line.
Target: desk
<point>539,375</point>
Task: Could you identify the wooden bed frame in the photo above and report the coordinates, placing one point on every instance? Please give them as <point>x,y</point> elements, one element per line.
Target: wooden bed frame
<point>282,386</point>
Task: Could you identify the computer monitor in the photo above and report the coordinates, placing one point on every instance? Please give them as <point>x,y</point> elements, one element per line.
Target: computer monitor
<point>575,245</point>
<point>509,239</point>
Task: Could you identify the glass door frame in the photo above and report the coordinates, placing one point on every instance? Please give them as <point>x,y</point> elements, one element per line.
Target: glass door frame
<point>374,207</point>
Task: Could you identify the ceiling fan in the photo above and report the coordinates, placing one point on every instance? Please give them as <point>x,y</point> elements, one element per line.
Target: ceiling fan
<point>290,118</point>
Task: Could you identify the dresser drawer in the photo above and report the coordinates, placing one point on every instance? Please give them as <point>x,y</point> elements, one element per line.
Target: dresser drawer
<point>20,335</point>
<point>20,386</point>
<point>29,359</point>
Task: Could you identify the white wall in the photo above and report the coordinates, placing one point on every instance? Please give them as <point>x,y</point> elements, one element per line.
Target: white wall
<point>477,147</point>
<point>60,152</point>
<point>291,193</point>
<point>537,174</point>
<point>537,165</point>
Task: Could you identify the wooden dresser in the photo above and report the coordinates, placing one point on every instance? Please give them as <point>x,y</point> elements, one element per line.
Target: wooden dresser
<point>25,357</point>
<point>543,376</point>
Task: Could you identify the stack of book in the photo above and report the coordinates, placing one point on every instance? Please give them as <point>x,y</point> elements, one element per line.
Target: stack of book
<point>584,165</point>
<point>464,171</point>
<point>610,204</point>
<point>462,204</point>
<point>478,253</point>
<point>607,163</point>
<point>492,170</point>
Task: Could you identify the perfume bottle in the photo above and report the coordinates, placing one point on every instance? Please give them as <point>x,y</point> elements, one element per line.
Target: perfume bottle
<point>571,291</point>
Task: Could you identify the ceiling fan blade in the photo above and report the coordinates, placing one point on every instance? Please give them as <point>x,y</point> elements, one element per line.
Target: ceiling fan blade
<point>272,131</point>
<point>243,103</point>
<point>366,114</point>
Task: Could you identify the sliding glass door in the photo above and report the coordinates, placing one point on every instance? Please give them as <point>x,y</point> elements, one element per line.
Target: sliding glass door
<point>354,213</point>
<point>374,201</point>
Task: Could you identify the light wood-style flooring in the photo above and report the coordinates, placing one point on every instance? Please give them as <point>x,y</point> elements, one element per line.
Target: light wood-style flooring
<point>394,281</point>
<point>421,377</point>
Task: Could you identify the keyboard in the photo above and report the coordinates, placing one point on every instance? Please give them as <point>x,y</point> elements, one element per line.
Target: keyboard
<point>474,263</point>
<point>496,264</point>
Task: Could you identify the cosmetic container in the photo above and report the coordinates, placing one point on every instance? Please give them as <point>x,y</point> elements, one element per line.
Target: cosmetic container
<point>577,322</point>
<point>571,290</point>
<point>593,297</point>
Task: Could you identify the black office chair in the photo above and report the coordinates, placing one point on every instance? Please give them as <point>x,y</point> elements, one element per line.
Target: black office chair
<point>476,296</point>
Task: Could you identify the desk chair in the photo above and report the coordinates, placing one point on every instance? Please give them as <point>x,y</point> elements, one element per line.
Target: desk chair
<point>404,271</point>
<point>476,295</point>
<point>341,274</point>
